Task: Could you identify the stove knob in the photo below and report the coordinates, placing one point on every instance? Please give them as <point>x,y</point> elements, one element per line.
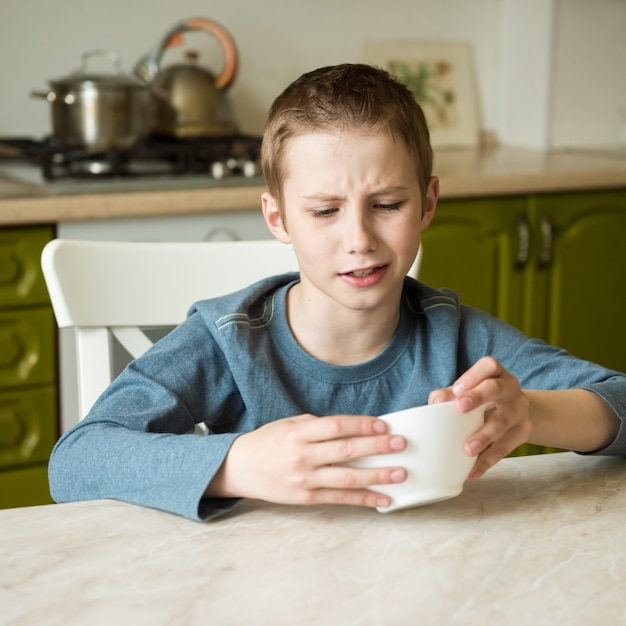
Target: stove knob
<point>218,170</point>
<point>250,169</point>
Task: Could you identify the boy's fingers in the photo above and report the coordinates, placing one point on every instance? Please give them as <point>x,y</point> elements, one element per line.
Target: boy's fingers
<point>485,368</point>
<point>353,497</point>
<point>337,477</point>
<point>318,429</point>
<point>496,452</point>
<point>441,395</point>
<point>339,439</point>
<point>351,448</point>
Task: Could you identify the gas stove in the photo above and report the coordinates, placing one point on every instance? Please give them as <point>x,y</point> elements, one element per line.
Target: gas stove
<point>157,163</point>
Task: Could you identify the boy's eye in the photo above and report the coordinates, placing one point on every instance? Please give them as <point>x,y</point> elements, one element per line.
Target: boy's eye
<point>323,212</point>
<point>393,206</point>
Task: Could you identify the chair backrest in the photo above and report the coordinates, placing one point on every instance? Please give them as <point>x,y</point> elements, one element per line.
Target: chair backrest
<point>120,289</point>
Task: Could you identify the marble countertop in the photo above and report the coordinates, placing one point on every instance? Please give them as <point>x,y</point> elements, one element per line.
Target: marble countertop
<point>538,540</point>
<point>463,173</point>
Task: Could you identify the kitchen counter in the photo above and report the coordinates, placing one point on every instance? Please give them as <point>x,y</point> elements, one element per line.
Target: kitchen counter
<point>538,540</point>
<point>463,173</point>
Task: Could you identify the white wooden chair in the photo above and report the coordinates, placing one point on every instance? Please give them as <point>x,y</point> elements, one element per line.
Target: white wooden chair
<point>106,290</point>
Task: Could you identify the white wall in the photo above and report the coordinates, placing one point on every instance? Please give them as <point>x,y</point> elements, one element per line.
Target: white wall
<point>524,86</point>
<point>279,39</point>
<point>589,96</point>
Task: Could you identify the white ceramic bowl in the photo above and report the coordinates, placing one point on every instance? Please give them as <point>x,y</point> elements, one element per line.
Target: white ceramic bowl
<point>434,458</point>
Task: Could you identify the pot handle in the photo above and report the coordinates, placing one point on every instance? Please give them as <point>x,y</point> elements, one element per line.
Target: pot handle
<point>44,95</point>
<point>51,96</point>
<point>148,66</point>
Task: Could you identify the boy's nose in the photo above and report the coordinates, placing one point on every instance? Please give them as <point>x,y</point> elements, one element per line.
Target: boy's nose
<point>360,236</point>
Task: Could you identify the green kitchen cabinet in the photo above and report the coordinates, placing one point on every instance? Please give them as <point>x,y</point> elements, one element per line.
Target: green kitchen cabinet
<point>552,265</point>
<point>471,247</point>
<point>28,371</point>
<point>576,283</point>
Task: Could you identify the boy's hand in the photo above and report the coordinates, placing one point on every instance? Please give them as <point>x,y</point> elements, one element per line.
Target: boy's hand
<point>506,426</point>
<point>297,461</point>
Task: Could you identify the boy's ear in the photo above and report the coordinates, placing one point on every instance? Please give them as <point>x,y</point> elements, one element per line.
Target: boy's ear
<point>273,218</point>
<point>430,202</point>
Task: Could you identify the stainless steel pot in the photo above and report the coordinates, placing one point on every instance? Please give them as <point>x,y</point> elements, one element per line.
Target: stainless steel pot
<point>99,112</point>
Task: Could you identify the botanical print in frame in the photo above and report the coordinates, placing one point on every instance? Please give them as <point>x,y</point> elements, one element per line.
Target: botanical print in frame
<point>440,75</point>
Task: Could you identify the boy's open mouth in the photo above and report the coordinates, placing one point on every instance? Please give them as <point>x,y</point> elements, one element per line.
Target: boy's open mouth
<point>365,272</point>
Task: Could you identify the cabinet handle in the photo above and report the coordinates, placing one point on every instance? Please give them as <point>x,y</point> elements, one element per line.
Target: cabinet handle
<point>523,242</point>
<point>545,227</point>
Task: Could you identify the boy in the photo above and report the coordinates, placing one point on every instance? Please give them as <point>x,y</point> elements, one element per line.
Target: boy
<point>288,391</point>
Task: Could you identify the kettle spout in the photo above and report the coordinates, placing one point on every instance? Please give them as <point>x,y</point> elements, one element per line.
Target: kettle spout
<point>148,66</point>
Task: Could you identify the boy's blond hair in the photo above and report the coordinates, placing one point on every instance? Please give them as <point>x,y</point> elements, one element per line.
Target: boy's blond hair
<point>344,97</point>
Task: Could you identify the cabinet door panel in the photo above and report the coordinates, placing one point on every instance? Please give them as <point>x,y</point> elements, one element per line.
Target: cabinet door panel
<point>21,279</point>
<point>471,247</point>
<point>25,486</point>
<point>28,425</point>
<point>27,347</point>
<point>584,282</point>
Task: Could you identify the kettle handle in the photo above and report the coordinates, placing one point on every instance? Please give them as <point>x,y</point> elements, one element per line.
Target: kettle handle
<point>148,66</point>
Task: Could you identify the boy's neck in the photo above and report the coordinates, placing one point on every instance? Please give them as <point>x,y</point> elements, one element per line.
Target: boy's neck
<point>340,338</point>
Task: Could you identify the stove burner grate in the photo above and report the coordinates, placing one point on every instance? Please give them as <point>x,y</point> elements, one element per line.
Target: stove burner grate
<point>236,155</point>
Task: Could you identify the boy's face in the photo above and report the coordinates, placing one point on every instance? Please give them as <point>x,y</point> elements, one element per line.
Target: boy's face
<point>353,212</point>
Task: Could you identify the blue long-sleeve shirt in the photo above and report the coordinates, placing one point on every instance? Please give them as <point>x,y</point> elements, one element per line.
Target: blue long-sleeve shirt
<point>234,365</point>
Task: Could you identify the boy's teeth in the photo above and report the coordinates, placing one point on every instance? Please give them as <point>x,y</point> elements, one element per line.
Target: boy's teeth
<point>362,273</point>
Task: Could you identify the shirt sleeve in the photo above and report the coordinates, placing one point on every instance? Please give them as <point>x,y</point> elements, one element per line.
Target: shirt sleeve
<point>138,444</point>
<point>538,365</point>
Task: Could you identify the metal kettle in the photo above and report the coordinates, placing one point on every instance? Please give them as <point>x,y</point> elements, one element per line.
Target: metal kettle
<point>188,100</point>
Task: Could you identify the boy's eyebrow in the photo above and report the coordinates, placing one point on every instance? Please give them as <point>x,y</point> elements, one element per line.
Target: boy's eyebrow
<point>389,190</point>
<point>379,192</point>
<point>321,196</point>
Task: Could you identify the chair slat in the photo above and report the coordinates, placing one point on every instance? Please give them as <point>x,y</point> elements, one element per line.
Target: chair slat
<point>133,339</point>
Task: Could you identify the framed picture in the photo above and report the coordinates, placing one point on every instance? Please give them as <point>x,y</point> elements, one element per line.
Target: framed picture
<point>441,76</point>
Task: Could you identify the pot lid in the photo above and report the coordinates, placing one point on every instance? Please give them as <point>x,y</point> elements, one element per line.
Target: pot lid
<point>76,81</point>
<point>80,76</point>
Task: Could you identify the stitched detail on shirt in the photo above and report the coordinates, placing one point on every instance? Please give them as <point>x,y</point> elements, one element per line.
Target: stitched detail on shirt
<point>243,318</point>
<point>438,301</point>
<point>435,306</point>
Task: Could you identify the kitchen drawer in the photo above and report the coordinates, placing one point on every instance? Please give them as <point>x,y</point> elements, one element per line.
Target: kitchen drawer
<point>28,425</point>
<point>27,347</point>
<point>21,279</point>
<point>26,486</point>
